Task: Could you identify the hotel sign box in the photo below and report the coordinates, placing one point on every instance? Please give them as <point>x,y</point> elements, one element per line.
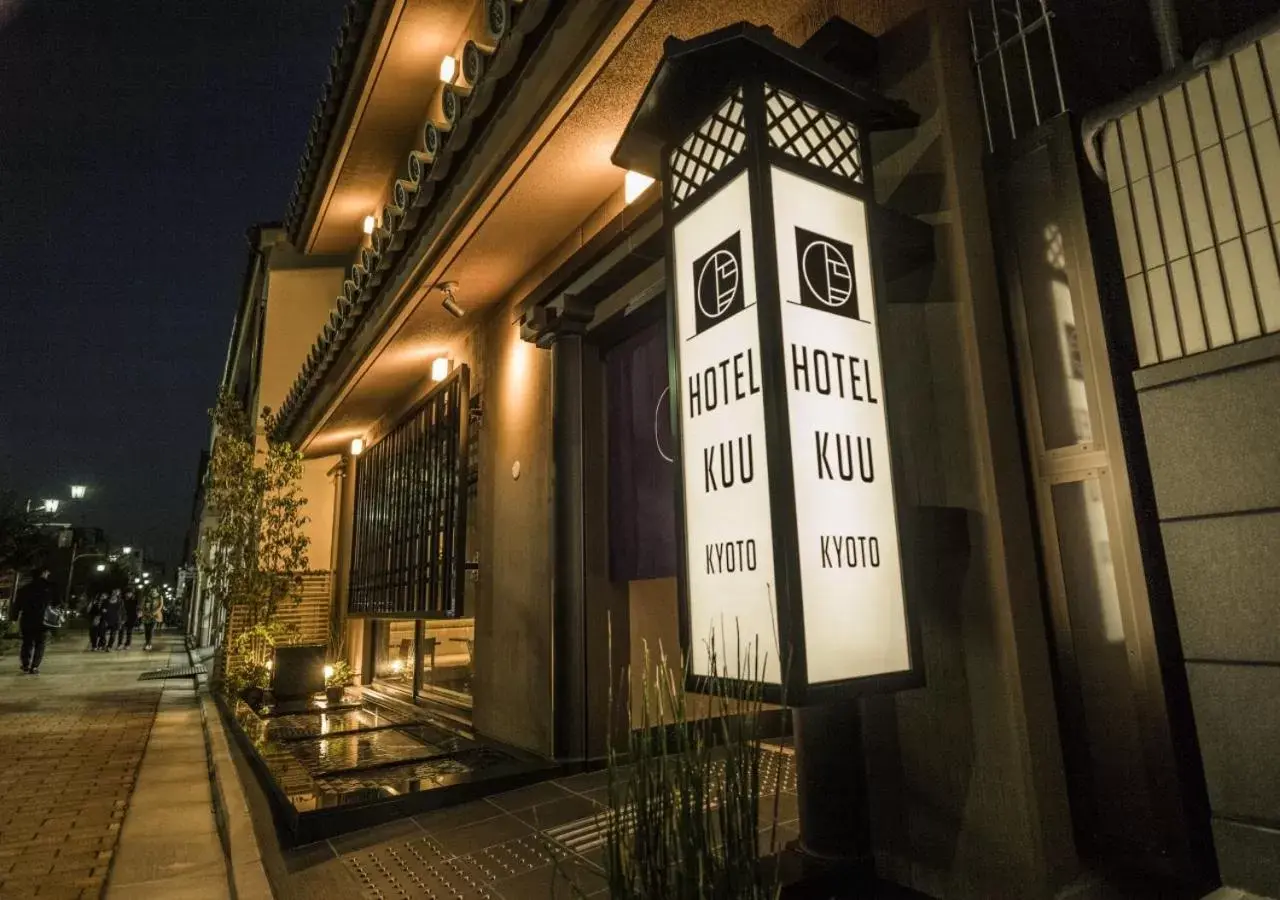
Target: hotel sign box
<point>833,459</point>
<point>789,526</point>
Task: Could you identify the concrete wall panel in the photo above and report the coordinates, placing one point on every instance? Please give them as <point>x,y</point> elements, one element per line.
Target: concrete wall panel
<point>1238,719</point>
<point>1214,442</point>
<point>1223,571</point>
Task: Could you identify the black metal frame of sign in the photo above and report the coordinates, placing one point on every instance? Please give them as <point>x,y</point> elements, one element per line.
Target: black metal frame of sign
<point>703,121</point>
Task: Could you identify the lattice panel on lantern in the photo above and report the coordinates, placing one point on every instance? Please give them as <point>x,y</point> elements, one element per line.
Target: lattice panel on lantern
<point>715,144</point>
<point>801,130</point>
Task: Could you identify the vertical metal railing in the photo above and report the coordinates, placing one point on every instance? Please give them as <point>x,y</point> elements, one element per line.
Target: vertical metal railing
<point>1194,176</point>
<point>1019,83</point>
<point>409,542</point>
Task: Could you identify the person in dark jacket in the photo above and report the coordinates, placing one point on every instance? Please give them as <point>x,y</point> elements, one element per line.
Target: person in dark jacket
<point>128,619</point>
<point>33,601</point>
<point>112,612</point>
<point>97,629</point>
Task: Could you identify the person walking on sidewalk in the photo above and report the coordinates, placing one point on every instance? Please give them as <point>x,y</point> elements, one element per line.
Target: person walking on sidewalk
<point>111,613</point>
<point>93,612</point>
<point>152,615</point>
<point>37,601</point>
<point>128,619</point>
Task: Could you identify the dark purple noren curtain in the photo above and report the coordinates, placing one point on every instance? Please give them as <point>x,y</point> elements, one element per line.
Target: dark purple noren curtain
<point>642,486</point>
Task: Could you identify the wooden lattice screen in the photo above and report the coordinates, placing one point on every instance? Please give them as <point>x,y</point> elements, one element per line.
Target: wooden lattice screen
<point>310,616</point>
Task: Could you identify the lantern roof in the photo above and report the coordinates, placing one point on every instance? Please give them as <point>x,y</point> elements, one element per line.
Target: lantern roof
<point>694,75</point>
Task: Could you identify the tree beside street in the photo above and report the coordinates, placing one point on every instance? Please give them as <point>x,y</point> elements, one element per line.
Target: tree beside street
<point>257,544</point>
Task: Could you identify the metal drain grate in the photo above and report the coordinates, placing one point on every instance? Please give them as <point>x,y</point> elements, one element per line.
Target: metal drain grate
<point>178,672</point>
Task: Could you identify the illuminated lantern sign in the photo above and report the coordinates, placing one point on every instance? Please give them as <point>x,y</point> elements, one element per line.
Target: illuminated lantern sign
<point>791,530</point>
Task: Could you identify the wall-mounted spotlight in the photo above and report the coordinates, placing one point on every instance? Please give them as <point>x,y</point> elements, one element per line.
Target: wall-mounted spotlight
<point>369,224</point>
<point>440,368</point>
<point>450,303</point>
<point>448,69</point>
<point>635,185</point>
<point>357,446</point>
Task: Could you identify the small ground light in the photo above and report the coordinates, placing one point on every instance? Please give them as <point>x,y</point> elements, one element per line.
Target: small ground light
<point>440,368</point>
<point>328,672</point>
<point>397,666</point>
<point>634,185</point>
<point>369,223</point>
<point>448,69</point>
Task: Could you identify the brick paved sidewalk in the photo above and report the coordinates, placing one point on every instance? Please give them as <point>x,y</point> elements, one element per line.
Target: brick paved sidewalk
<point>71,739</point>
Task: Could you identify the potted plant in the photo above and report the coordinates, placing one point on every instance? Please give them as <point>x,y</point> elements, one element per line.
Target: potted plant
<point>249,681</point>
<point>337,675</point>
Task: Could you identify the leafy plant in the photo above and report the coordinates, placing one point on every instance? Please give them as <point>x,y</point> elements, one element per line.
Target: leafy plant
<point>340,674</point>
<point>685,794</point>
<point>251,652</point>
<point>256,550</point>
<point>20,540</point>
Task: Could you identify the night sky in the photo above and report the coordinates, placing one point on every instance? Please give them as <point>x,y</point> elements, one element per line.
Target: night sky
<point>139,139</point>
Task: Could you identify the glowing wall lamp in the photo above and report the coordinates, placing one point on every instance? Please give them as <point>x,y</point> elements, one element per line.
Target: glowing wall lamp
<point>635,185</point>
<point>448,69</point>
<point>77,492</point>
<point>440,368</point>
<point>357,446</point>
<point>369,223</point>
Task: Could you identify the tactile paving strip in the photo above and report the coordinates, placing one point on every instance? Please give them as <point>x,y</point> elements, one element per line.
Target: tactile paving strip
<point>420,868</point>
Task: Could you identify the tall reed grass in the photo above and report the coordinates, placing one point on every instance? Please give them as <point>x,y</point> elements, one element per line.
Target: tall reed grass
<point>685,793</point>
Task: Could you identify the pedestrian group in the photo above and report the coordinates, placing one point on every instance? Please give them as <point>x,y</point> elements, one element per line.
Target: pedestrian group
<point>113,618</point>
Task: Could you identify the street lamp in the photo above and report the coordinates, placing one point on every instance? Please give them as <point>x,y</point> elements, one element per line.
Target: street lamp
<point>126,550</point>
<point>71,570</point>
<point>51,506</point>
<point>77,491</point>
<point>102,567</point>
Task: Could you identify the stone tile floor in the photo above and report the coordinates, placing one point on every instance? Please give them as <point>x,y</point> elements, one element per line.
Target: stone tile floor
<point>532,843</point>
<point>71,740</point>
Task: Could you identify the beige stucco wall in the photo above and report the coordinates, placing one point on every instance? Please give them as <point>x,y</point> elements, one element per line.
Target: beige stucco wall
<point>299,302</point>
<point>317,487</point>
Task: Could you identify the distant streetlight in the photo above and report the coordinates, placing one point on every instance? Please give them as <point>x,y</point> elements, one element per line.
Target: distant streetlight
<point>126,550</point>
<point>77,491</point>
<point>102,567</point>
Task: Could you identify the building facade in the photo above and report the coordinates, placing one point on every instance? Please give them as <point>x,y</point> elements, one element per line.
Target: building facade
<point>462,323</point>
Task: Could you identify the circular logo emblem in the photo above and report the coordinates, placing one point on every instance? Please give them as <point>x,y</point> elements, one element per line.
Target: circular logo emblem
<point>717,284</point>
<point>827,273</point>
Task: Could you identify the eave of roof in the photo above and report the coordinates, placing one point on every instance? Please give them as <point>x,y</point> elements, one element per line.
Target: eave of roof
<point>398,235</point>
<point>356,21</point>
